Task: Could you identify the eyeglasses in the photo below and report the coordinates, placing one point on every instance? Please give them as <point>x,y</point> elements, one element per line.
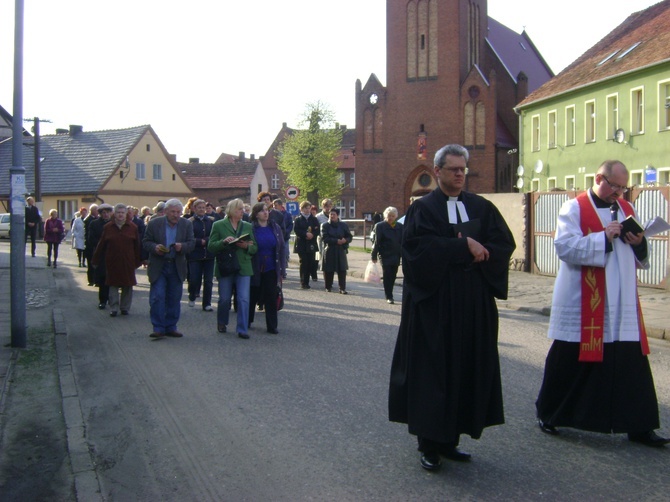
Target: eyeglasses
<point>616,188</point>
<point>455,170</point>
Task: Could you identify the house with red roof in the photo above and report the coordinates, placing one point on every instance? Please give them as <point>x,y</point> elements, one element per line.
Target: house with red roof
<point>613,102</point>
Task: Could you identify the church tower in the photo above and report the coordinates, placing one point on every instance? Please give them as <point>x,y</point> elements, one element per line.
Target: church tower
<point>442,87</point>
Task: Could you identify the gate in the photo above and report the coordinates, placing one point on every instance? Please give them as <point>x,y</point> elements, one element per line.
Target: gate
<point>649,202</point>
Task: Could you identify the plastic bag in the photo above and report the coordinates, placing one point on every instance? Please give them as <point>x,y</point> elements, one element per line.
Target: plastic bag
<point>372,273</point>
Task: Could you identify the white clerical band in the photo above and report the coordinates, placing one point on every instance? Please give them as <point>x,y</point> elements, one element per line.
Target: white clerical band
<point>452,207</point>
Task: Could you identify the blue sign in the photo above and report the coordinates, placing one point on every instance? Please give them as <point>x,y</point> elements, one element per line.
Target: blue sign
<point>650,175</point>
<point>293,208</point>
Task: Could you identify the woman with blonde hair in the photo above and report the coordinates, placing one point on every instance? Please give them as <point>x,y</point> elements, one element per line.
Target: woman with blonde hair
<point>387,246</point>
<point>233,234</point>
<point>54,231</point>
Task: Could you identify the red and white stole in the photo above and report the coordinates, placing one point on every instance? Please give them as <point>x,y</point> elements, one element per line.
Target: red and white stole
<point>593,290</point>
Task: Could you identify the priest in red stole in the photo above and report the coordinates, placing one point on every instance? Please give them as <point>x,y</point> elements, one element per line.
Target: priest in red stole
<point>597,375</point>
<point>445,374</point>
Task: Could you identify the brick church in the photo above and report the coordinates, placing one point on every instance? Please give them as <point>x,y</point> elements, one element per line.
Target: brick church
<point>453,76</point>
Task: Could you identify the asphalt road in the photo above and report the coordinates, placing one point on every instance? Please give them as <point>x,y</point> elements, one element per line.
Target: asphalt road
<point>302,415</point>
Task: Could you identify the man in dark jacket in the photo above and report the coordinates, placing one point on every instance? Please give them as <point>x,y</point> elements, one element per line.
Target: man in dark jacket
<point>95,229</point>
<point>200,260</point>
<point>33,220</point>
<point>88,250</point>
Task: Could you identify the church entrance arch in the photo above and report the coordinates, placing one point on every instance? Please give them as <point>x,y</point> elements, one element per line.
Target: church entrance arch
<point>419,182</point>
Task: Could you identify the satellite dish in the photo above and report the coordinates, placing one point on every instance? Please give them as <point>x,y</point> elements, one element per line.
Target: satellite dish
<point>519,183</point>
<point>538,166</point>
<point>519,171</point>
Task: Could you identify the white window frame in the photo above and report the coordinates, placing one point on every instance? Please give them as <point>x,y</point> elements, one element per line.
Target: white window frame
<point>352,180</point>
<point>589,181</point>
<point>341,180</point>
<point>637,111</point>
<point>636,178</point>
<point>140,171</point>
<point>66,209</point>
<point>535,132</point>
<point>274,182</point>
<point>535,185</point>
<point>570,182</point>
<point>611,115</point>
<point>570,125</point>
<point>663,177</point>
<point>551,183</point>
<point>664,105</point>
<point>552,129</point>
<point>157,172</point>
<point>590,121</point>
<point>341,207</point>
<point>352,209</point>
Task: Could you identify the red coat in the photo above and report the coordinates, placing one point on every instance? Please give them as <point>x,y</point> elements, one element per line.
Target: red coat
<point>51,224</point>
<point>119,249</point>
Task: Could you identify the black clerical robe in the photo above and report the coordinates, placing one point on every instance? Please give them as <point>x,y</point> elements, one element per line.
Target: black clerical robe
<point>445,374</point>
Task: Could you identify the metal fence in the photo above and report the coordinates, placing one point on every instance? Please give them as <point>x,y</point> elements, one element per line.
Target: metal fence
<point>649,202</point>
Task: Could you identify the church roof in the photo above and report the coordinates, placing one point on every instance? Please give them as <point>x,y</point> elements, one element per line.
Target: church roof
<point>641,41</point>
<point>518,54</point>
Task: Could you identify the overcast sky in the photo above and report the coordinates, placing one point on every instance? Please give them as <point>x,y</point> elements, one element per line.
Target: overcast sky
<point>221,76</point>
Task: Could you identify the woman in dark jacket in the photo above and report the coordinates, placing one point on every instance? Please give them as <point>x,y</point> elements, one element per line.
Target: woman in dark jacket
<point>53,235</point>
<point>336,237</point>
<point>387,245</point>
<point>268,264</point>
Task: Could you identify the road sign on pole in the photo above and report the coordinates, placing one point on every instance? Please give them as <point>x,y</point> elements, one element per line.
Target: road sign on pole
<point>292,193</point>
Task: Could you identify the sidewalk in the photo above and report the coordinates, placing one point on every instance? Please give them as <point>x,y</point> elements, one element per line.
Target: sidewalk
<point>532,293</point>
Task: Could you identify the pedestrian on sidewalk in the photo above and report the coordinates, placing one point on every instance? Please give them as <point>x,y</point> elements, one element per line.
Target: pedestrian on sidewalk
<point>445,374</point>
<point>167,239</point>
<point>119,253</point>
<point>306,229</point>
<point>597,375</point>
<point>78,235</point>
<point>95,230</point>
<point>387,245</point>
<point>89,247</point>
<point>54,232</point>
<point>33,221</point>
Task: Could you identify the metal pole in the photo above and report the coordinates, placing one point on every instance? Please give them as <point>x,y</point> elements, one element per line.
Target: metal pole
<point>38,170</point>
<point>17,194</point>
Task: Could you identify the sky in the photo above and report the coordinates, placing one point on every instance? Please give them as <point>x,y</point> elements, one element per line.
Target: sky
<point>222,76</point>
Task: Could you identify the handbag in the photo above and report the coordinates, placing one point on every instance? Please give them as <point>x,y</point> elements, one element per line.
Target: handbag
<point>280,298</point>
<point>227,259</point>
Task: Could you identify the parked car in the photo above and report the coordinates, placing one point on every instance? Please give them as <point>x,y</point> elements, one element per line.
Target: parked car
<point>4,225</point>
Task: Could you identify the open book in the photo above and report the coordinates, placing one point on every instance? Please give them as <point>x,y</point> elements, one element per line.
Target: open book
<point>654,226</point>
<point>243,237</point>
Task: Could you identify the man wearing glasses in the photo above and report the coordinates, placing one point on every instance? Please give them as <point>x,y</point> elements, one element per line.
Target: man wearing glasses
<point>597,375</point>
<point>445,374</point>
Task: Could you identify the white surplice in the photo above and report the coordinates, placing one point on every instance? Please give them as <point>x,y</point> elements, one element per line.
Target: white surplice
<point>576,250</point>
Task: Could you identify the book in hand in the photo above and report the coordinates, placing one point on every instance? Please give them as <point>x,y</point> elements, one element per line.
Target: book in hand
<point>472,229</point>
<point>243,237</point>
<point>652,227</point>
<point>630,224</point>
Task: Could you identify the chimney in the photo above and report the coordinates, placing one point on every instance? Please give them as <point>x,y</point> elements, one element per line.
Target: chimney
<point>343,127</point>
<point>283,125</point>
<point>173,157</point>
<point>241,156</point>
<point>75,129</point>
<point>194,160</point>
<point>62,131</point>
<point>252,156</point>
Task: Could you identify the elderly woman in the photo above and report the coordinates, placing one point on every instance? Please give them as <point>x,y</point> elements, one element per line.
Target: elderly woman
<point>233,233</point>
<point>336,237</point>
<point>268,264</point>
<point>78,242</point>
<point>53,235</point>
<point>387,246</point>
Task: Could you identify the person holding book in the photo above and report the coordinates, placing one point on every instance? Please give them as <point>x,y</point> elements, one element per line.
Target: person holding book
<point>597,375</point>
<point>233,233</point>
<point>445,374</point>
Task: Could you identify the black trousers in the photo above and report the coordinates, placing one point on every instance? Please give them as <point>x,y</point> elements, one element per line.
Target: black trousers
<point>266,294</point>
<point>54,246</point>
<point>390,274</point>
<point>306,264</point>
<point>341,279</point>
<point>32,233</point>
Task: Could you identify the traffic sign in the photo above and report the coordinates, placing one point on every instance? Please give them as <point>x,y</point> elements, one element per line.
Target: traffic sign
<point>292,193</point>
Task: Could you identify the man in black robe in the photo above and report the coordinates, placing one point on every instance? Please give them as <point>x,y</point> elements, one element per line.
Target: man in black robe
<point>445,374</point>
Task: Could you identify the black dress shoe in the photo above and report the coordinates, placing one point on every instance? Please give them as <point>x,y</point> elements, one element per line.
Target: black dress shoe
<point>273,331</point>
<point>548,429</point>
<point>343,292</point>
<point>456,454</point>
<point>390,301</point>
<point>221,328</point>
<point>124,312</point>
<point>244,336</point>
<point>430,461</point>
<point>649,438</point>
<point>101,306</point>
<point>112,313</point>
